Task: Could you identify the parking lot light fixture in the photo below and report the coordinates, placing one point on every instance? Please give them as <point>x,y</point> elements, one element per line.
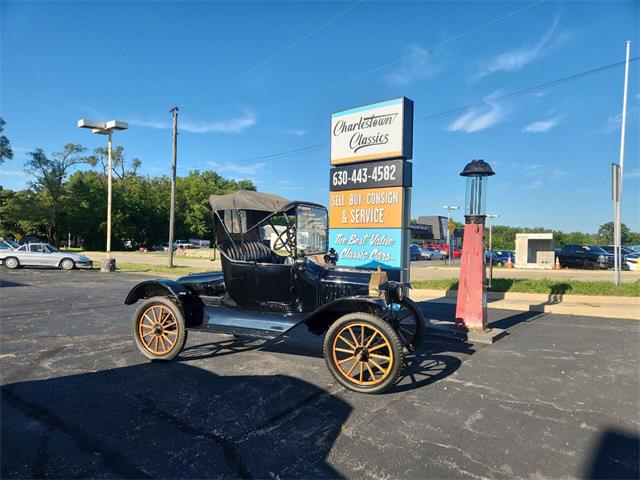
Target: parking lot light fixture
<point>106,128</point>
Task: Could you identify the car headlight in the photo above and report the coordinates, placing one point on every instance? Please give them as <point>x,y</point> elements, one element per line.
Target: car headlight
<point>395,292</point>
<point>601,258</point>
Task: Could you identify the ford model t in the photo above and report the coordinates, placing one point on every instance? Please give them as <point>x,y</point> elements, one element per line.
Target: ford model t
<point>264,292</point>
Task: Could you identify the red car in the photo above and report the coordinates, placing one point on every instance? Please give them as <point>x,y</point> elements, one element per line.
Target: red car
<point>457,253</point>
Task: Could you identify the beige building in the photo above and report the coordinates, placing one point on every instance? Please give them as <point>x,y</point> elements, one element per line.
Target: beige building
<point>534,250</point>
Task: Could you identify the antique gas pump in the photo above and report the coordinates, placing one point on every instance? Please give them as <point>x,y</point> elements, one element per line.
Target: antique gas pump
<point>471,308</point>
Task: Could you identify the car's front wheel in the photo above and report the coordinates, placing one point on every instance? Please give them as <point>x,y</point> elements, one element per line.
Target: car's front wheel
<point>159,329</point>
<point>363,353</point>
<point>407,320</point>
<point>67,264</point>
<point>11,262</point>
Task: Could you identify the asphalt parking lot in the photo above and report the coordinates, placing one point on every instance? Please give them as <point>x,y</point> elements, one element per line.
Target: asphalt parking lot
<point>557,397</point>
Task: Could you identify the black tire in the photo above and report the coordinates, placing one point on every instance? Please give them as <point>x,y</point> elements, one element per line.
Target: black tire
<point>382,368</point>
<point>67,264</point>
<point>168,331</point>
<point>11,263</point>
<point>408,322</point>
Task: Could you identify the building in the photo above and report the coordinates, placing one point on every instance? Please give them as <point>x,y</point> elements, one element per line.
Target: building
<point>437,225</point>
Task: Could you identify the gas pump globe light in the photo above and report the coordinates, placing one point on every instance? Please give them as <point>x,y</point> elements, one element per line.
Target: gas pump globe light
<point>476,173</point>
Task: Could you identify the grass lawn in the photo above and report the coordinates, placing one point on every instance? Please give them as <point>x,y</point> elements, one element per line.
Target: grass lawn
<point>160,269</point>
<point>568,287</point>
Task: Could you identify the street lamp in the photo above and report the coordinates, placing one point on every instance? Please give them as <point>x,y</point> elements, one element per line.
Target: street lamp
<point>449,208</point>
<point>471,306</point>
<point>106,128</point>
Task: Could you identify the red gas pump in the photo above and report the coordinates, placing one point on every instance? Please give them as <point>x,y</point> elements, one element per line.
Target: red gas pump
<point>471,307</point>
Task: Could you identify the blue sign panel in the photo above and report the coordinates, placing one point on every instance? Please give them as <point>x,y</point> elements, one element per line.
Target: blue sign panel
<point>367,247</point>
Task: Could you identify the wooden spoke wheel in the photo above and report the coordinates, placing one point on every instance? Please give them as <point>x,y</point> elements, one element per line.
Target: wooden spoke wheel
<point>408,322</point>
<point>363,353</point>
<point>159,329</point>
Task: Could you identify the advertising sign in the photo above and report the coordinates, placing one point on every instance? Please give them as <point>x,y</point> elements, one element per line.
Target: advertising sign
<point>388,173</point>
<point>379,131</point>
<point>368,247</point>
<point>367,208</point>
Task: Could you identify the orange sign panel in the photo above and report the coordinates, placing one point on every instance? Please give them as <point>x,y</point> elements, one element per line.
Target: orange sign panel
<point>369,208</point>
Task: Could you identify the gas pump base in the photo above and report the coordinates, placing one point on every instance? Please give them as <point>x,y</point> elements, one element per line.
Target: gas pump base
<point>446,330</point>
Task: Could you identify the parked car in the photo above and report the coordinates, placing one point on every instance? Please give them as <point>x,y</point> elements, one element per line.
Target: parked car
<point>43,255</point>
<point>584,256</point>
<point>629,257</point>
<point>635,248</point>
<point>366,320</point>
<point>500,257</point>
<point>415,253</point>
<point>182,244</point>
<point>430,253</point>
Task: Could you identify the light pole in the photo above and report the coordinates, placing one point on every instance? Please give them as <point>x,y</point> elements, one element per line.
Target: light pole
<point>491,216</point>
<point>106,128</point>
<point>449,208</point>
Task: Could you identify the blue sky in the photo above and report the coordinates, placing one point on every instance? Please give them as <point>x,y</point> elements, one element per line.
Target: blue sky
<point>257,78</point>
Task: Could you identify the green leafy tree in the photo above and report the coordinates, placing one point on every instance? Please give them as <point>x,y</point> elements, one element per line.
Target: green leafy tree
<point>606,231</point>
<point>49,175</point>
<point>6,152</point>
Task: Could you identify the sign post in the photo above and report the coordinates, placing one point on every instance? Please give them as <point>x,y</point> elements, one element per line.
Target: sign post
<point>370,186</point>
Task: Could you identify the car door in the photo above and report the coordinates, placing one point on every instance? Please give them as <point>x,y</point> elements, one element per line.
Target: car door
<point>37,255</point>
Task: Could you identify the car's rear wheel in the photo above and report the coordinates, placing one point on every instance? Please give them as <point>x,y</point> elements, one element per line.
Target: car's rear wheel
<point>67,264</point>
<point>159,329</point>
<point>363,353</point>
<point>11,262</point>
<point>408,321</point>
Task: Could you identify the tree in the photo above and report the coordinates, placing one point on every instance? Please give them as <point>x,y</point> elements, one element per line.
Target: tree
<point>6,152</point>
<point>49,176</point>
<point>606,230</point>
<point>119,165</point>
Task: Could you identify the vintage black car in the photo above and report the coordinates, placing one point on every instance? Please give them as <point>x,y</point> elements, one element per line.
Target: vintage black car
<point>261,292</point>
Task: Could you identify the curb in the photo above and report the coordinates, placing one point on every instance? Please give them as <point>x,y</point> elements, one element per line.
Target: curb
<point>589,306</point>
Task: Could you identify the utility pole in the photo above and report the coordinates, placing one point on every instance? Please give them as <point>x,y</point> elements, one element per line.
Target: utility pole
<point>491,216</point>
<point>450,250</point>
<point>172,208</point>
<point>109,196</point>
<point>618,198</point>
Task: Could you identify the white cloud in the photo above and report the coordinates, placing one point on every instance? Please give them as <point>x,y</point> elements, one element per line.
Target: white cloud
<point>542,125</point>
<point>533,185</point>
<point>558,172</point>
<point>419,64</point>
<point>479,118</point>
<point>232,167</point>
<point>233,125</point>
<point>632,174</point>
<point>534,167</point>
<point>297,133</point>
<point>613,124</point>
<point>289,185</point>
<point>516,59</point>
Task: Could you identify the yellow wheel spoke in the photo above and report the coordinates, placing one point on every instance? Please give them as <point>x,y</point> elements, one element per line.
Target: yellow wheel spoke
<point>147,334</point>
<point>373,377</point>
<point>375,334</point>
<point>146,317</point>
<point>347,342</point>
<point>362,336</point>
<point>343,350</point>
<point>153,311</point>
<point>161,342</point>
<point>355,340</point>
<point>352,368</point>
<point>381,357</point>
<point>147,326</point>
<point>346,360</point>
<point>375,364</point>
<point>361,370</point>
<point>170,324</point>
<point>382,345</point>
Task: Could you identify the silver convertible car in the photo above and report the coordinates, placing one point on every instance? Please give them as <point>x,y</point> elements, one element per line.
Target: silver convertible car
<point>43,255</point>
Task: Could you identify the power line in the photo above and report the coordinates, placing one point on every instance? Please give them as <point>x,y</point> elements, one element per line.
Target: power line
<point>454,111</point>
<point>402,59</point>
<point>289,47</point>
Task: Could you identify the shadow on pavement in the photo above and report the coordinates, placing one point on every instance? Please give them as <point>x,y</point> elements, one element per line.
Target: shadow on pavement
<point>616,455</point>
<point>168,420</point>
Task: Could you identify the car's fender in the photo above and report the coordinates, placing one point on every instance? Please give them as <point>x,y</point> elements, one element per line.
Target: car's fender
<point>320,319</point>
<point>190,303</point>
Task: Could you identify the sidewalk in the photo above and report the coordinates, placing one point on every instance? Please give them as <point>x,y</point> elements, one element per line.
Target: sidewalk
<point>590,306</point>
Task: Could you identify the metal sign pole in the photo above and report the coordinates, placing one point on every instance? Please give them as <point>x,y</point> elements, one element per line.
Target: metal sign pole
<point>618,220</point>
<point>172,208</point>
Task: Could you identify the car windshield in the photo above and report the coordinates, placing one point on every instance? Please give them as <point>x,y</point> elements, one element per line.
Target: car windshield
<point>50,248</point>
<point>311,230</point>
<point>594,249</point>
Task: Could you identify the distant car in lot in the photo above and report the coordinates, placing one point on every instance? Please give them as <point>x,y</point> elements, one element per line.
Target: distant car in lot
<point>500,257</point>
<point>43,255</point>
<point>414,252</point>
<point>635,248</point>
<point>584,256</point>
<point>629,257</point>
<point>430,253</point>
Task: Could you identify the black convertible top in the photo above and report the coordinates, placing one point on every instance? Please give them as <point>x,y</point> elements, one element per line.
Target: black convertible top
<point>248,200</point>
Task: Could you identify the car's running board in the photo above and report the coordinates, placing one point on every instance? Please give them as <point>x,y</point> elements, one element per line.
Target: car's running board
<point>261,324</point>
